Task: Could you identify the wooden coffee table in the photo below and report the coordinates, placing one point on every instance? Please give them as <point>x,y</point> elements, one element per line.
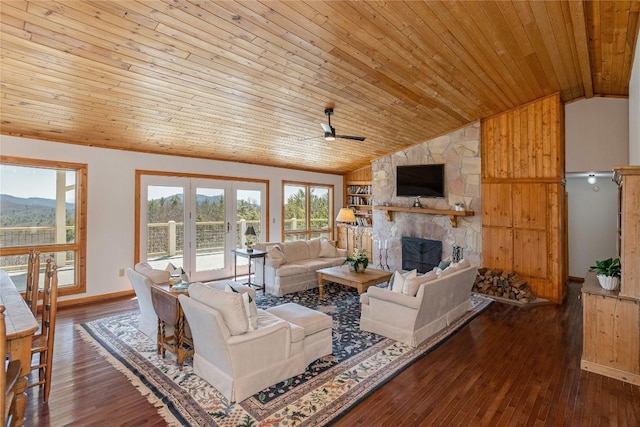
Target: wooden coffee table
<point>360,281</point>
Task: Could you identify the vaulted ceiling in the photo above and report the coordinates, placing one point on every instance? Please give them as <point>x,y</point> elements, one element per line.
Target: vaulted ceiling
<point>248,81</point>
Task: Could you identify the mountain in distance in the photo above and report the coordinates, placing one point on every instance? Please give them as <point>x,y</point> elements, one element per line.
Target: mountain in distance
<point>199,198</point>
<point>29,212</point>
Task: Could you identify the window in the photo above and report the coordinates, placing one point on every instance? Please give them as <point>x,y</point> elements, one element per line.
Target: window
<point>42,204</point>
<point>306,211</point>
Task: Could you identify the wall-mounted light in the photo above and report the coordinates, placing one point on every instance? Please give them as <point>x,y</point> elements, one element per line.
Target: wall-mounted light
<point>591,179</point>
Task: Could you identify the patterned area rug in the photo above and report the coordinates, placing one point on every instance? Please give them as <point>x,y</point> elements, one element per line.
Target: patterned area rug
<point>360,363</point>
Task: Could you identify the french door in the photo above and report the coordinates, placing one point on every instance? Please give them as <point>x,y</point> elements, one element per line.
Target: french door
<point>194,223</point>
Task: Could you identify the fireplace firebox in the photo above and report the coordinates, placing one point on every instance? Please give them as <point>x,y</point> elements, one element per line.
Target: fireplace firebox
<point>420,254</point>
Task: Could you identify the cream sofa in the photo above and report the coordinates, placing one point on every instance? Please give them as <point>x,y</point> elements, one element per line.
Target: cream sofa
<point>291,266</point>
<point>440,299</point>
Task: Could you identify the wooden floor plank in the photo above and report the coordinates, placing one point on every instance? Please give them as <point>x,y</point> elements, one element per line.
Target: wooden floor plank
<point>510,366</point>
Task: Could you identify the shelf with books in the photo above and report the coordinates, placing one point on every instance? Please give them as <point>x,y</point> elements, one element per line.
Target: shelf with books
<point>360,200</point>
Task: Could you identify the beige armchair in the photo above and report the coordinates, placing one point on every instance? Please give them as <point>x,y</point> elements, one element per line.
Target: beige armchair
<point>141,280</point>
<point>235,358</point>
<point>412,319</point>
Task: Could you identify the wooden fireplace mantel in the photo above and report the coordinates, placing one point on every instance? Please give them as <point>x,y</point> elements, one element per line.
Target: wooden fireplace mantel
<point>452,214</point>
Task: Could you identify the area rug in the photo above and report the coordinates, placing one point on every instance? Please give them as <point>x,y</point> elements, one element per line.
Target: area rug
<point>361,362</point>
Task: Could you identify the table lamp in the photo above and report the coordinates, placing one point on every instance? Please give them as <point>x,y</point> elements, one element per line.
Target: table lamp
<point>250,234</point>
<point>346,215</point>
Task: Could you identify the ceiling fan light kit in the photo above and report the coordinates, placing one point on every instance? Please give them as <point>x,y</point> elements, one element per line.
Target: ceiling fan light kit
<point>330,132</point>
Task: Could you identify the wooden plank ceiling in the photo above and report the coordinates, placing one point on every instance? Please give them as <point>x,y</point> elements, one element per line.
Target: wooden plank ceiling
<point>248,81</point>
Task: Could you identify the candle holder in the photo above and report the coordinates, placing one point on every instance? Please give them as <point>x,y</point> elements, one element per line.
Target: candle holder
<point>380,265</point>
<point>386,260</point>
<point>456,254</point>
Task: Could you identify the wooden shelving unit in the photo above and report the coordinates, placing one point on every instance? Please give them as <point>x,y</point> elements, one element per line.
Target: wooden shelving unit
<point>360,199</point>
<point>358,196</point>
<point>452,214</point>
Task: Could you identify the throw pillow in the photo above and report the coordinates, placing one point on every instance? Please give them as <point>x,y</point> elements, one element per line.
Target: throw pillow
<point>251,310</point>
<point>154,275</point>
<point>249,305</point>
<point>464,263</point>
<point>399,279</point>
<point>412,285</point>
<point>450,270</point>
<point>444,264</point>
<point>228,304</point>
<point>275,252</point>
<point>327,249</point>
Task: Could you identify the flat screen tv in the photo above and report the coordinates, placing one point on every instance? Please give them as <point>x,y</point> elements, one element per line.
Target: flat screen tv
<point>420,181</point>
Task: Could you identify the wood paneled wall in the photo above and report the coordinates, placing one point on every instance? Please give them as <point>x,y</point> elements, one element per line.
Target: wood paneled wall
<point>362,174</point>
<point>523,196</point>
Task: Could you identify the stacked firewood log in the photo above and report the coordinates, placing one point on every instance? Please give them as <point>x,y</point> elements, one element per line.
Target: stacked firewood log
<point>504,284</point>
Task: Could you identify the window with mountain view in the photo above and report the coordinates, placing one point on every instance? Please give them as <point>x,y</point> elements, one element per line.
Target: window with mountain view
<point>41,202</point>
<point>307,210</point>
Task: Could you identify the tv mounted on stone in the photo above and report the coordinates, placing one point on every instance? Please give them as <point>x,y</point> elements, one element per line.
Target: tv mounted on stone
<point>420,181</point>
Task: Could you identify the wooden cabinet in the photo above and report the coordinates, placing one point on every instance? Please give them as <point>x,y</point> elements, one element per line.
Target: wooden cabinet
<point>351,237</point>
<point>628,179</point>
<point>523,196</point>
<point>611,332</point>
<point>611,319</point>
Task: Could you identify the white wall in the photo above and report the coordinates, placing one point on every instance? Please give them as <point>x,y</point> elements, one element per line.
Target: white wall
<point>596,134</point>
<point>593,222</point>
<point>596,139</point>
<point>634,110</point>
<point>111,191</point>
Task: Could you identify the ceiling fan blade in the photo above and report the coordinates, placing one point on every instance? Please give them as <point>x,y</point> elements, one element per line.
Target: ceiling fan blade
<point>355,138</point>
<point>327,128</point>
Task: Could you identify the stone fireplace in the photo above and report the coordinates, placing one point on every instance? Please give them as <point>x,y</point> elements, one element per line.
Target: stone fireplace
<point>460,152</point>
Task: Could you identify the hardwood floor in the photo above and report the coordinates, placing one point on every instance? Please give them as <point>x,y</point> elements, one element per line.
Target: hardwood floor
<point>510,366</point>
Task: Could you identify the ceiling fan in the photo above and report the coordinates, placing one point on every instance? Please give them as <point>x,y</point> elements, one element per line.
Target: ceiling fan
<point>330,132</point>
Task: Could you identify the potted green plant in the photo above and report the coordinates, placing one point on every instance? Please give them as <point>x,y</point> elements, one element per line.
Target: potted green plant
<point>359,261</point>
<point>608,273</point>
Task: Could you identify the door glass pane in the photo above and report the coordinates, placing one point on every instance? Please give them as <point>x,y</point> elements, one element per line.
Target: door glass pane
<point>295,208</point>
<point>210,229</point>
<point>248,214</point>
<point>165,226</point>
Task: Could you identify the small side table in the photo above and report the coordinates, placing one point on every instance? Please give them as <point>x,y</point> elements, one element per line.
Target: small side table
<point>244,253</point>
<point>169,312</point>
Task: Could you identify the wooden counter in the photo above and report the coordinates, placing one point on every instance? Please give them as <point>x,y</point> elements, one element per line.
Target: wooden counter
<point>611,332</point>
<point>21,325</point>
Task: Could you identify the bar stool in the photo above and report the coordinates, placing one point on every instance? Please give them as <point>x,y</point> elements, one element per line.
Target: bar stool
<point>42,343</point>
<point>33,276</point>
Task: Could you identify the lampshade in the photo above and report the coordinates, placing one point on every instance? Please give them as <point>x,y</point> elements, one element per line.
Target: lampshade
<point>346,215</point>
<point>250,231</point>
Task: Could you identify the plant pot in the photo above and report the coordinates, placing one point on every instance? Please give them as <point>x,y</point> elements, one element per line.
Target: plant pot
<point>360,269</point>
<point>609,283</point>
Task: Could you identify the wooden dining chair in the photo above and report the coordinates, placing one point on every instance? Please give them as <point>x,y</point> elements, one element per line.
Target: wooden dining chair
<point>42,343</point>
<point>33,277</point>
<point>8,376</point>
